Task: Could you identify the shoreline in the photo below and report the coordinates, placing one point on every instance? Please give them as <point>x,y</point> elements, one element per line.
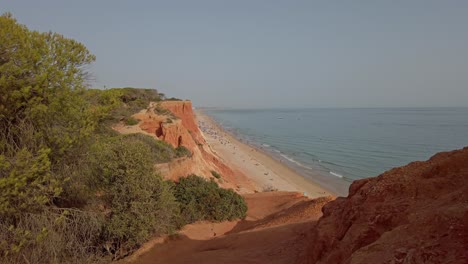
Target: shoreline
<point>266,172</point>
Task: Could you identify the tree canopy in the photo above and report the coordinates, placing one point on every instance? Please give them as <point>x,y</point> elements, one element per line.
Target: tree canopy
<point>72,190</point>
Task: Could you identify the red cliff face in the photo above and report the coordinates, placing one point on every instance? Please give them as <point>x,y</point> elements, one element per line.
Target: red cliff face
<point>183,110</point>
<point>184,131</point>
<point>413,214</point>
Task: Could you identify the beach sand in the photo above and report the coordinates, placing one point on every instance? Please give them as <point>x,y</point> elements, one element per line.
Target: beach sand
<point>265,172</point>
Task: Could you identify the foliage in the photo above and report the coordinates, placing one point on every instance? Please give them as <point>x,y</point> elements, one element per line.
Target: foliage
<point>44,120</point>
<point>119,104</point>
<point>41,77</point>
<point>173,99</point>
<point>26,183</point>
<point>140,202</point>
<point>182,151</point>
<point>130,121</point>
<point>160,151</point>
<point>54,236</point>
<point>72,190</point>
<point>204,200</point>
<point>140,96</point>
<point>161,111</point>
<point>216,175</point>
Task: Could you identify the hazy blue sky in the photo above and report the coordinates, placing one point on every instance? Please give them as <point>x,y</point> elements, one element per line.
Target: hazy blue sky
<point>271,53</point>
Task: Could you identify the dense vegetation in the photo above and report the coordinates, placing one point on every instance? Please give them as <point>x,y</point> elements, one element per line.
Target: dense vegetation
<point>202,199</point>
<point>72,190</point>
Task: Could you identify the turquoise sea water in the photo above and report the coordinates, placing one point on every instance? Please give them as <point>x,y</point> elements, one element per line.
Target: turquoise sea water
<point>343,145</point>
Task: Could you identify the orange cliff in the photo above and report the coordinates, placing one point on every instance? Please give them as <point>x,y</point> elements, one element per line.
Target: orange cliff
<point>184,111</point>
<point>183,131</point>
<point>412,214</point>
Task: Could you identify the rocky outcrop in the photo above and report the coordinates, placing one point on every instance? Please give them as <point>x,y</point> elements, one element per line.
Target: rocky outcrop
<point>413,214</point>
<point>184,111</point>
<point>174,122</point>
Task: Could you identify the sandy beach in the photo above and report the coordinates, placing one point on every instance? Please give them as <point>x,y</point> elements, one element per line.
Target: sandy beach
<point>265,172</point>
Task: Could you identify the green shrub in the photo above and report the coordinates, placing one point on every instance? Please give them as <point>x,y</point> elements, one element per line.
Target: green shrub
<point>204,200</point>
<point>182,151</point>
<point>72,190</point>
<point>52,236</point>
<point>161,151</point>
<point>26,183</point>
<point>130,121</point>
<point>141,204</point>
<point>173,99</point>
<point>216,175</point>
<point>118,104</point>
<point>139,97</point>
<point>161,111</point>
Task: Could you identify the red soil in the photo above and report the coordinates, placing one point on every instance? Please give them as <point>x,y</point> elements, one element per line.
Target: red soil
<point>273,232</point>
<point>413,214</point>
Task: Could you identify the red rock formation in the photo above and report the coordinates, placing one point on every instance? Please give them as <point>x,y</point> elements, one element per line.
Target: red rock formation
<point>413,214</point>
<point>184,111</point>
<point>184,131</point>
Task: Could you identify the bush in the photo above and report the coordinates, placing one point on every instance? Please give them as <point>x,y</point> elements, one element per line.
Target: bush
<point>182,151</point>
<point>140,202</point>
<point>52,236</point>
<point>119,104</point>
<point>161,151</point>
<point>204,200</point>
<point>216,175</point>
<point>162,111</point>
<point>130,121</point>
<point>139,97</point>
<point>173,99</point>
<point>71,189</point>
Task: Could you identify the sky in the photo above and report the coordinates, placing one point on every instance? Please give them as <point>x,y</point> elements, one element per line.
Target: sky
<point>267,54</point>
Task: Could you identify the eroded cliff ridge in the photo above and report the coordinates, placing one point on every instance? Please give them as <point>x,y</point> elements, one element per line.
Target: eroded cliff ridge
<point>174,122</point>
<point>417,213</point>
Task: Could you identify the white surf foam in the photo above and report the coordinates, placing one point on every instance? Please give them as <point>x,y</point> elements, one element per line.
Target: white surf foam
<point>336,174</point>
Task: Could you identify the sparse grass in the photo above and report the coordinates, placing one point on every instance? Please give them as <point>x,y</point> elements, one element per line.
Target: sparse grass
<point>130,121</point>
<point>163,111</point>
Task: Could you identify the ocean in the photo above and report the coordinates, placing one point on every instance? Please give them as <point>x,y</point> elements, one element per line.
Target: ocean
<point>338,146</point>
